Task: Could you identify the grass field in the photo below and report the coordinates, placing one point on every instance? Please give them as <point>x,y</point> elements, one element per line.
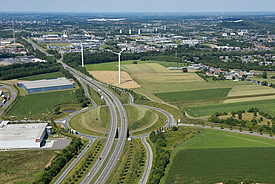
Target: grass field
<point>42,76</point>
<point>194,95</point>
<point>267,106</point>
<point>93,122</point>
<point>22,166</point>
<point>142,120</point>
<point>41,104</point>
<point>226,155</point>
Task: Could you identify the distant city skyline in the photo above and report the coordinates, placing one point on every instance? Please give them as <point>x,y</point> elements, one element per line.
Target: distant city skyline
<point>137,6</point>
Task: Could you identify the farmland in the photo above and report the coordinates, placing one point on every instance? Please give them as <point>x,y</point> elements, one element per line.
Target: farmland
<point>194,95</point>
<point>22,166</point>
<point>226,155</point>
<point>42,76</point>
<point>265,105</point>
<point>41,103</point>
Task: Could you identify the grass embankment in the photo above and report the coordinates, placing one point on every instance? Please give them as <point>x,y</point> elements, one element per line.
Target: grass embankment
<point>39,105</point>
<point>93,122</point>
<point>42,76</point>
<point>83,166</point>
<point>95,96</point>
<point>142,120</point>
<point>130,167</point>
<point>22,166</point>
<point>226,155</point>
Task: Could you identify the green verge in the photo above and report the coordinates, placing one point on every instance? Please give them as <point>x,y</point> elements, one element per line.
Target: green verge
<point>142,120</point>
<point>42,76</point>
<point>81,169</point>
<point>95,96</point>
<point>131,164</point>
<point>194,95</point>
<point>87,123</point>
<point>267,106</point>
<point>217,141</point>
<point>33,162</point>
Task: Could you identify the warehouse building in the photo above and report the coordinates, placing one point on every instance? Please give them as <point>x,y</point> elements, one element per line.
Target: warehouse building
<point>46,85</point>
<point>21,135</point>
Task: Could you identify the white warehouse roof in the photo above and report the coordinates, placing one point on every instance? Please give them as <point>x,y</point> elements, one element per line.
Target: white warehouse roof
<point>47,83</point>
<point>11,132</point>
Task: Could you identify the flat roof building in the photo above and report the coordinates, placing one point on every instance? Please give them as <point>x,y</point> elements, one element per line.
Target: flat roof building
<point>21,135</point>
<point>46,85</point>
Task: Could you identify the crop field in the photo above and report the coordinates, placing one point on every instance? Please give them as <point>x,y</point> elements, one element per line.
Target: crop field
<point>43,76</point>
<point>194,95</point>
<point>41,104</point>
<point>189,166</point>
<point>22,166</point>
<point>143,120</point>
<point>267,106</point>
<point>227,155</point>
<point>93,122</point>
<point>112,77</point>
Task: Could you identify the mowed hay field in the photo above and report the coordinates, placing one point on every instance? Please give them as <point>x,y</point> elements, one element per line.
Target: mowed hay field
<point>22,166</point>
<point>112,77</point>
<point>92,122</point>
<point>142,120</point>
<point>215,155</point>
<point>41,104</point>
<point>267,106</point>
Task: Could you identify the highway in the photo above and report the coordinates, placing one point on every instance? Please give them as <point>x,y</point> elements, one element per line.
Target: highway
<point>111,101</point>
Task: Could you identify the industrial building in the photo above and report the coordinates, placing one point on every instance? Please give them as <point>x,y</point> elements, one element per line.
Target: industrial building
<point>46,85</point>
<point>21,135</point>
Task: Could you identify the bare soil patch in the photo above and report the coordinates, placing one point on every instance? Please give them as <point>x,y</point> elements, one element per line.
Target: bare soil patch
<point>111,77</point>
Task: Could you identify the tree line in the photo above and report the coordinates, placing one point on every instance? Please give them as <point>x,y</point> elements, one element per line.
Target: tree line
<point>59,162</point>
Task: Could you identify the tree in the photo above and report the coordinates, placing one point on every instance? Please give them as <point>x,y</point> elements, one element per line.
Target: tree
<point>174,128</point>
<point>264,75</point>
<point>184,70</point>
<point>135,62</point>
<point>240,129</point>
<point>57,109</point>
<point>221,126</point>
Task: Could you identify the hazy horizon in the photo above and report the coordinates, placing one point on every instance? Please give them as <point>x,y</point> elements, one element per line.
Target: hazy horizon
<point>141,6</point>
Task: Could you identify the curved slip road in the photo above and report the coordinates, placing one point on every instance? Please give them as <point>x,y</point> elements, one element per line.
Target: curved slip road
<point>13,95</point>
<point>110,163</point>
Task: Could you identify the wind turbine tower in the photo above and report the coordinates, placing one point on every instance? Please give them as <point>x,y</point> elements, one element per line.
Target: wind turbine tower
<point>13,35</point>
<point>82,54</point>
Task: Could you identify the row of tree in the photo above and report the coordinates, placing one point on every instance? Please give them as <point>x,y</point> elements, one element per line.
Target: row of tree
<point>162,155</point>
<point>59,162</point>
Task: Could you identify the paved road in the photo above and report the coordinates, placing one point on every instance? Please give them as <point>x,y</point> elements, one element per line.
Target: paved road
<point>13,95</point>
<point>110,163</point>
<point>37,47</point>
<point>67,170</point>
<point>149,161</point>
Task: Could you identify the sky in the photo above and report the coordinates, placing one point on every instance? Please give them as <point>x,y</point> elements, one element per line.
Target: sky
<point>136,5</point>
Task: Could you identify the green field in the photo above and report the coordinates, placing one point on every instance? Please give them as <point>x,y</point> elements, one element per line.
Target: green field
<point>226,155</point>
<point>194,95</point>
<point>216,165</point>
<point>142,120</point>
<point>41,104</point>
<point>267,106</point>
<point>22,166</point>
<point>93,122</point>
<point>43,76</point>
